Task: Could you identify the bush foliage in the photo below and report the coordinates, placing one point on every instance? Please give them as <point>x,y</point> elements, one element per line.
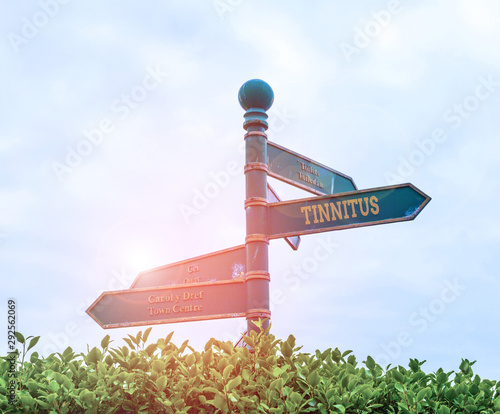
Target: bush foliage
<point>267,376</point>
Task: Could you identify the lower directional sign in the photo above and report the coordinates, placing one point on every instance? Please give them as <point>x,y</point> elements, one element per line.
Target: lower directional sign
<point>347,210</point>
<point>180,303</point>
<point>225,264</point>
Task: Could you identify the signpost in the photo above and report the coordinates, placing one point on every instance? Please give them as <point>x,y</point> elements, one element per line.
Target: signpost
<point>225,264</point>
<point>180,303</point>
<point>235,282</point>
<point>343,211</point>
<point>304,173</point>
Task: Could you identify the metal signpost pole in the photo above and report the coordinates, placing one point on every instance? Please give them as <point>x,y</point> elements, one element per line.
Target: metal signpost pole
<point>256,97</point>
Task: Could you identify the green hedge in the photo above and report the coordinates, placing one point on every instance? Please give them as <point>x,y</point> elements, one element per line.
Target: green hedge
<point>268,376</point>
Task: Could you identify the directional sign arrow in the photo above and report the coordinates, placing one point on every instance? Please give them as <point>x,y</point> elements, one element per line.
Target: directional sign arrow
<point>302,172</point>
<point>342,211</point>
<point>180,303</point>
<point>225,264</point>
<point>272,197</point>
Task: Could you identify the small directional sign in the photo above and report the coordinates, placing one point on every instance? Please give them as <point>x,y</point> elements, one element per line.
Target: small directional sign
<point>272,197</point>
<point>302,172</point>
<point>342,211</point>
<point>180,303</point>
<point>225,264</point>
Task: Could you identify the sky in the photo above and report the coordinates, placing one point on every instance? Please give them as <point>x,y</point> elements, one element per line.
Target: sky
<point>121,149</point>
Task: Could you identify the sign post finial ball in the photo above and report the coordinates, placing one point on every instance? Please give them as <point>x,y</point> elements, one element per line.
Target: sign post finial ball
<point>256,93</point>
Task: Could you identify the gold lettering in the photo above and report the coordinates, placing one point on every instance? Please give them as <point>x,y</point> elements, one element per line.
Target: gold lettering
<point>314,212</point>
<point>373,202</point>
<point>337,210</point>
<point>187,308</point>
<point>323,212</point>
<point>192,296</point>
<point>344,202</point>
<point>158,311</point>
<point>309,180</point>
<point>351,203</point>
<point>304,210</point>
<point>309,169</point>
<point>160,299</point>
<point>360,201</point>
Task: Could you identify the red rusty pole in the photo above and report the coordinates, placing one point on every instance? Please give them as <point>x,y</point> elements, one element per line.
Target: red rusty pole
<point>256,97</point>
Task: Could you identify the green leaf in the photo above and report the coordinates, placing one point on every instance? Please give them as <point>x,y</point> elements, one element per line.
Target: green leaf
<point>150,349</point>
<point>398,376</point>
<point>403,408</point>
<point>129,343</point>
<point>370,363</point>
<point>443,410</point>
<point>367,393</point>
<point>208,357</point>
<point>227,347</point>
<point>94,355</point>
<point>88,397</point>
<point>399,387</point>
<point>233,383</point>
<point>137,339</point>
<point>227,371</point>
<point>218,402</point>
<point>134,362</point>
<point>451,394</point>
<point>291,341</point>
<point>19,337</point>
<point>340,407</point>
<point>33,342</point>
<point>105,342</point>
<point>352,383</point>
<point>54,386</point>
<point>169,337</point>
<point>286,350</point>
<point>246,374</point>
<point>145,336</point>
<point>423,393</point>
<point>276,384</point>
<point>313,379</point>
<point>441,378</point>
<point>496,403</point>
<point>158,365</point>
<point>161,382</point>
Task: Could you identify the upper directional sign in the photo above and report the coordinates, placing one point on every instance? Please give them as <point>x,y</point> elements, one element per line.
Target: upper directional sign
<point>302,172</point>
<point>180,303</point>
<point>343,211</point>
<point>225,264</point>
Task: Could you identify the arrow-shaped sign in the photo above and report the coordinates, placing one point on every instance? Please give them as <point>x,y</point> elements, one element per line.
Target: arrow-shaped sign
<point>225,264</point>
<point>342,211</point>
<point>272,197</point>
<point>302,172</point>
<point>181,303</point>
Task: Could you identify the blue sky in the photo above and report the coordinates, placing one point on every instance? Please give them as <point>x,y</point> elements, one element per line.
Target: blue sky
<point>116,115</point>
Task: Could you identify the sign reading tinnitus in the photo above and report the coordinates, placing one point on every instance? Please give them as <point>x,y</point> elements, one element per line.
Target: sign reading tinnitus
<point>342,211</point>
